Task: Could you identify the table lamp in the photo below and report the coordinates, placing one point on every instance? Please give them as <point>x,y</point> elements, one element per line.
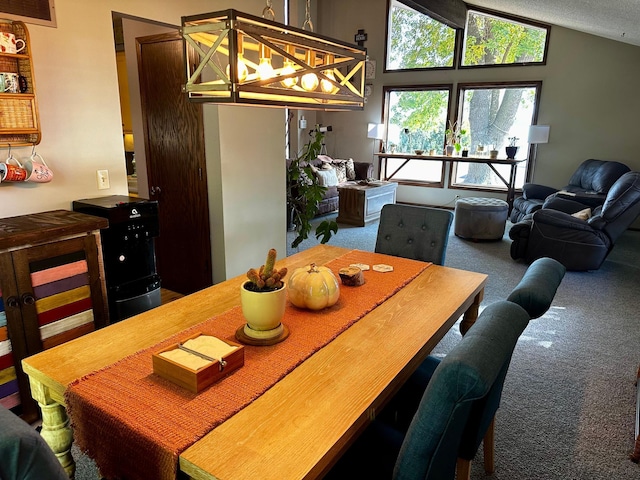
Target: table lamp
<point>377,131</point>
<point>537,134</point>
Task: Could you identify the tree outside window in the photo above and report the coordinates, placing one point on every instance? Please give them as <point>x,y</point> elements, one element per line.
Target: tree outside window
<point>416,119</point>
<point>493,40</point>
<point>492,114</point>
<point>416,41</point>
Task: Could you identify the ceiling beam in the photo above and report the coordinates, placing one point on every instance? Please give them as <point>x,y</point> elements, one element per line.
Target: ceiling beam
<point>450,12</point>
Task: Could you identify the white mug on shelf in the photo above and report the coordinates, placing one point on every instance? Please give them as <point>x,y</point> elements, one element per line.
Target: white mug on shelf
<point>9,82</point>
<point>10,44</point>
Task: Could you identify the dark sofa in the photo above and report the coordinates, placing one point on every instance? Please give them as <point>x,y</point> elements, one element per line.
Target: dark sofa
<point>346,170</point>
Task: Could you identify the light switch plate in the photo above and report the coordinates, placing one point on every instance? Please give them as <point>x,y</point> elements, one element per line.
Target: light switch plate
<point>103,179</point>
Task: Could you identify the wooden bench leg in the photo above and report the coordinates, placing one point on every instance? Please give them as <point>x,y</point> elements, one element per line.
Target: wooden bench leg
<point>463,469</point>
<point>488,447</point>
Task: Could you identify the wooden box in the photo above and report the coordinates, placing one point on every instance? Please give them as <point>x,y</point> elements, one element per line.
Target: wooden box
<point>197,380</point>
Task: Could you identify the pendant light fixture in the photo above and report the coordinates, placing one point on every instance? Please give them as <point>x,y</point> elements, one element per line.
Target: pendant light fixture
<point>244,59</point>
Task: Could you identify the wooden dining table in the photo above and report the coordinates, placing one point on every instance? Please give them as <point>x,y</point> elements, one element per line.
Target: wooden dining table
<point>298,428</point>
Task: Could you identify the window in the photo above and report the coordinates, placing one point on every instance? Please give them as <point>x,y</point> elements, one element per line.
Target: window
<point>416,41</point>
<point>493,40</point>
<point>492,114</point>
<point>416,119</point>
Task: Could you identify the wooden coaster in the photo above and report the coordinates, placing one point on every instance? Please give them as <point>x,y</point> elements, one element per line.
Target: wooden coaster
<point>381,267</point>
<point>261,342</point>
<point>362,266</point>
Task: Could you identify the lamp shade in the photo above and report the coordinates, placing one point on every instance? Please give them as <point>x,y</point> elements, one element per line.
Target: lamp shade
<point>375,130</point>
<point>539,134</point>
<point>128,142</point>
<point>250,60</point>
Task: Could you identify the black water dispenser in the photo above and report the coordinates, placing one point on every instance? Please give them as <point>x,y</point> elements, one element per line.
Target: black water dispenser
<point>128,250</point>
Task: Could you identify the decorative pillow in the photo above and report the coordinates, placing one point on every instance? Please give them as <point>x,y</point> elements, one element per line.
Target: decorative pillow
<point>304,178</point>
<point>351,169</point>
<point>583,214</point>
<point>362,170</point>
<point>327,178</point>
<point>341,170</point>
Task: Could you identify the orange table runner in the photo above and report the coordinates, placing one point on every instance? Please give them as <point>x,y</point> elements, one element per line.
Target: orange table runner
<point>135,424</point>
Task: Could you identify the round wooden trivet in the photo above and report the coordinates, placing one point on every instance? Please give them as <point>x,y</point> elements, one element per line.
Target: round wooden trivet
<point>261,342</point>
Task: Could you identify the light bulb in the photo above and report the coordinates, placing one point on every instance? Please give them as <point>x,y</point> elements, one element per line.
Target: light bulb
<point>309,82</point>
<point>326,85</point>
<point>286,70</point>
<point>265,70</point>
<point>243,71</point>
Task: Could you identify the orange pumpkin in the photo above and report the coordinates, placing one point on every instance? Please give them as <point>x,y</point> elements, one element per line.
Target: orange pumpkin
<point>313,287</point>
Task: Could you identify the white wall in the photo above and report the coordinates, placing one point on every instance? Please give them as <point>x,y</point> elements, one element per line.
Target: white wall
<point>253,200</point>
<point>589,97</point>
<point>77,90</point>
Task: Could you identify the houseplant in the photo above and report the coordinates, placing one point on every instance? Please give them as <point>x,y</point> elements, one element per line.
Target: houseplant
<point>263,298</point>
<point>304,193</point>
<point>453,136</point>
<point>512,149</point>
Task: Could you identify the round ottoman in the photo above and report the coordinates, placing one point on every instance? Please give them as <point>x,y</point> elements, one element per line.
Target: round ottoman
<point>480,218</point>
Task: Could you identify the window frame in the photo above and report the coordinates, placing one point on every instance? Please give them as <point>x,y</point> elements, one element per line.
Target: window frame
<point>386,90</point>
<point>508,17</point>
<point>457,49</point>
<point>530,161</point>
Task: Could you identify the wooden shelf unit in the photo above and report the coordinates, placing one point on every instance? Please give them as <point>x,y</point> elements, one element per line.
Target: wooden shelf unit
<point>19,118</point>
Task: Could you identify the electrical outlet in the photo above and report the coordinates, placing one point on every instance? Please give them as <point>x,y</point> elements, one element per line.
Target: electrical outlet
<point>103,179</point>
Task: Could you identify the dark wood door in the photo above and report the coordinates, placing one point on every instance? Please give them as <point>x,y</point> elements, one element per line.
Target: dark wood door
<point>174,145</point>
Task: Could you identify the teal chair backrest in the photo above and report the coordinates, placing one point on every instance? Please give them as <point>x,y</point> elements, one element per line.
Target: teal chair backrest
<point>538,286</point>
<point>473,370</point>
<point>409,231</point>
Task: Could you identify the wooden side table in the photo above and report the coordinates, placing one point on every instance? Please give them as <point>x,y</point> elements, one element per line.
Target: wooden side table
<point>360,204</point>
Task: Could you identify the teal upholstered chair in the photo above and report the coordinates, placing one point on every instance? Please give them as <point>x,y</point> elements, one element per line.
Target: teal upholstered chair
<point>467,378</point>
<point>538,286</point>
<point>419,233</point>
<point>447,407</point>
<point>534,293</point>
<point>24,455</point>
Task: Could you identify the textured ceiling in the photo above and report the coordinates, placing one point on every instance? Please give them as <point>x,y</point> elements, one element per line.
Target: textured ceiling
<point>615,19</point>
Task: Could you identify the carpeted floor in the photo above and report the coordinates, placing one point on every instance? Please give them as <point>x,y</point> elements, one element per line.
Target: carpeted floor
<point>568,406</point>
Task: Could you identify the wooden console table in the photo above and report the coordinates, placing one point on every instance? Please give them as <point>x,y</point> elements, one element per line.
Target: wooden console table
<point>360,204</point>
<point>509,183</point>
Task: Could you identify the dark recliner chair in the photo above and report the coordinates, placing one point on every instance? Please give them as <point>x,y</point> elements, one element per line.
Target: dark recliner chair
<point>590,184</point>
<point>576,243</point>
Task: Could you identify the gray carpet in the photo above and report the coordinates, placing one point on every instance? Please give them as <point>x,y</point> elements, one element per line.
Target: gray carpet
<point>568,407</point>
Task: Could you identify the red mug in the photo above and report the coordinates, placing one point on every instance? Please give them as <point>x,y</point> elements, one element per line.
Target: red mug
<point>12,173</point>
